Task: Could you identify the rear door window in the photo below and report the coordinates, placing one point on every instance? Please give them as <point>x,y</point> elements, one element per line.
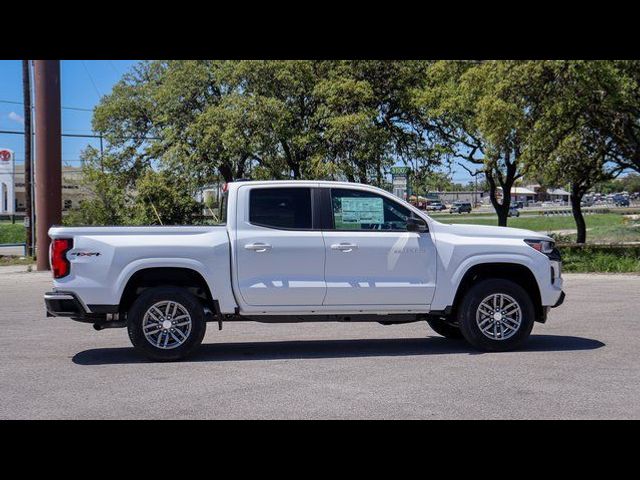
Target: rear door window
<point>286,208</point>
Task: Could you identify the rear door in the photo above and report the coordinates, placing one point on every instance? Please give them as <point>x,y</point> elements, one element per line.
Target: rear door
<point>371,258</point>
<point>280,254</point>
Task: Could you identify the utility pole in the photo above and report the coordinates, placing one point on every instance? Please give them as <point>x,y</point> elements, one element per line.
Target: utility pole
<point>475,194</point>
<point>101,154</point>
<point>48,155</point>
<point>26,92</point>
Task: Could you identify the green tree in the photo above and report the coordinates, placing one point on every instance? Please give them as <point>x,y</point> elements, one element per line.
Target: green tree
<point>107,201</point>
<point>277,119</point>
<point>579,160</point>
<point>614,89</point>
<point>365,119</point>
<point>484,111</point>
<point>163,198</point>
<point>568,143</point>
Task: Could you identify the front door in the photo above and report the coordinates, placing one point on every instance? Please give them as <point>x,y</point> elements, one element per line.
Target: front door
<point>280,257</point>
<point>371,258</point>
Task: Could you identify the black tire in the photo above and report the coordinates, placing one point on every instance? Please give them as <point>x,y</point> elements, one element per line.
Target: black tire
<point>444,329</point>
<point>472,300</point>
<point>152,296</point>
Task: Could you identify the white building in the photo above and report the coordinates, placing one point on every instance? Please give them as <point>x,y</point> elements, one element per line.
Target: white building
<point>558,194</point>
<point>7,182</point>
<point>12,186</point>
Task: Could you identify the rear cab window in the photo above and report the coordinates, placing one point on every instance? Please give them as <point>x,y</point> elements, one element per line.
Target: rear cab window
<point>222,213</point>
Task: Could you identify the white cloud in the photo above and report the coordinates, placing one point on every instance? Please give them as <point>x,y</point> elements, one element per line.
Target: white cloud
<point>13,116</point>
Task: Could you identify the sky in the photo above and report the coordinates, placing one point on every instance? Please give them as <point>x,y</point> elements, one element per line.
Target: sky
<point>83,83</point>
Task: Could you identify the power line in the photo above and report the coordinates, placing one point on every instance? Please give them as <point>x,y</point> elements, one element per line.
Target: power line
<point>114,68</point>
<point>65,108</point>
<point>82,135</point>
<point>91,78</point>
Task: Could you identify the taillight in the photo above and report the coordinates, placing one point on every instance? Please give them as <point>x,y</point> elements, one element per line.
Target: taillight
<point>59,263</point>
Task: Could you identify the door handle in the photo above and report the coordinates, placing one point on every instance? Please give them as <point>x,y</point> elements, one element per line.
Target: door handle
<point>258,247</point>
<point>344,247</point>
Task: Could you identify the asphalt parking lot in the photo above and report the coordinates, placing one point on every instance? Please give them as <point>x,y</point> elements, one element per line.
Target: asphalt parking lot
<point>584,363</point>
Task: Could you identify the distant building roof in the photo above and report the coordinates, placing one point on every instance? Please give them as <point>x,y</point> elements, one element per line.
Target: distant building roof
<point>520,191</point>
<point>557,191</point>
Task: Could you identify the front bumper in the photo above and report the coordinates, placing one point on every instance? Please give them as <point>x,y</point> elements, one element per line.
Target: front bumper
<point>64,304</point>
<point>560,300</point>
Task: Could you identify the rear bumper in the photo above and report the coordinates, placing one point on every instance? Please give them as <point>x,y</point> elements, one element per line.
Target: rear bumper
<point>64,304</point>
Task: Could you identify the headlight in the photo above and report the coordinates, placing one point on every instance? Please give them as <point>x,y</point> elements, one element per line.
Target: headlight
<point>543,246</point>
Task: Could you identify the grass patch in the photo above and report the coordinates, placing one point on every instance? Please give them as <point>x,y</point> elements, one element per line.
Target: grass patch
<point>594,258</point>
<point>9,260</point>
<point>545,223</point>
<point>12,233</point>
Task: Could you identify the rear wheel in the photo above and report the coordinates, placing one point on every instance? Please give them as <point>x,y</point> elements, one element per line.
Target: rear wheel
<point>443,328</point>
<point>166,323</point>
<point>496,315</point>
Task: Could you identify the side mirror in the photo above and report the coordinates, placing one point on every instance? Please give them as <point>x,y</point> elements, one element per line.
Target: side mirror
<point>418,225</point>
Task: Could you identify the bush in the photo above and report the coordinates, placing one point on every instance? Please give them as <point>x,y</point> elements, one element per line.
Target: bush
<point>601,258</point>
<point>12,233</point>
<point>163,198</point>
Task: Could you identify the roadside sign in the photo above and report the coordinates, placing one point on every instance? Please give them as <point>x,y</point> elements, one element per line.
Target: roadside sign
<point>400,171</point>
<point>399,177</point>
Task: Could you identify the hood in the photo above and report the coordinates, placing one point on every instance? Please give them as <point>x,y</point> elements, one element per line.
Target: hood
<point>495,232</point>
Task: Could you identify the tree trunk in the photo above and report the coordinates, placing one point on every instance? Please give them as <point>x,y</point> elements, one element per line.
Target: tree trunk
<point>502,209</point>
<point>225,171</point>
<point>576,198</point>
<point>291,160</point>
<point>240,168</point>
<point>503,214</point>
<point>362,171</point>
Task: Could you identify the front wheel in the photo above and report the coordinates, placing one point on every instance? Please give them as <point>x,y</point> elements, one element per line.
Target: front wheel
<point>166,323</point>
<point>496,315</point>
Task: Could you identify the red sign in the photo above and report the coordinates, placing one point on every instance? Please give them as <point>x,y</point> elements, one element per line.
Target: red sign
<point>5,155</point>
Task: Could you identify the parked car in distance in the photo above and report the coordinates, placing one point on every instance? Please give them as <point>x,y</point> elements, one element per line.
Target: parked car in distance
<point>513,211</point>
<point>436,206</point>
<point>621,200</point>
<point>460,207</point>
<point>305,251</point>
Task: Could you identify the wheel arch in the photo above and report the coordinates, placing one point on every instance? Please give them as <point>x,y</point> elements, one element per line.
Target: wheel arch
<point>516,272</point>
<point>156,276</point>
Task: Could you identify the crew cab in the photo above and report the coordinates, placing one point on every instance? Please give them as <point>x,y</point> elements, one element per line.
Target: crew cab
<point>303,251</point>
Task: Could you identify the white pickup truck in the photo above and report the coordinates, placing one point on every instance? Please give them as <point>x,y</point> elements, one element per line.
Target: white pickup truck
<point>303,251</point>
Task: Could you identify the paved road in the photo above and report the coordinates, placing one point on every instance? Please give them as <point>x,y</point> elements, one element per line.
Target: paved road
<point>583,364</point>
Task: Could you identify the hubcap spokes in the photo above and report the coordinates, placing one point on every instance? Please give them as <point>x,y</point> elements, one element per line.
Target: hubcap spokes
<point>166,324</point>
<point>499,316</point>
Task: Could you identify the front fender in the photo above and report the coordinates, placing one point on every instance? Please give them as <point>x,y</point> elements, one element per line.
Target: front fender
<point>449,279</point>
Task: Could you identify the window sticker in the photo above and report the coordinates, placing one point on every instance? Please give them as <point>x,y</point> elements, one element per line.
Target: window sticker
<point>362,210</point>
